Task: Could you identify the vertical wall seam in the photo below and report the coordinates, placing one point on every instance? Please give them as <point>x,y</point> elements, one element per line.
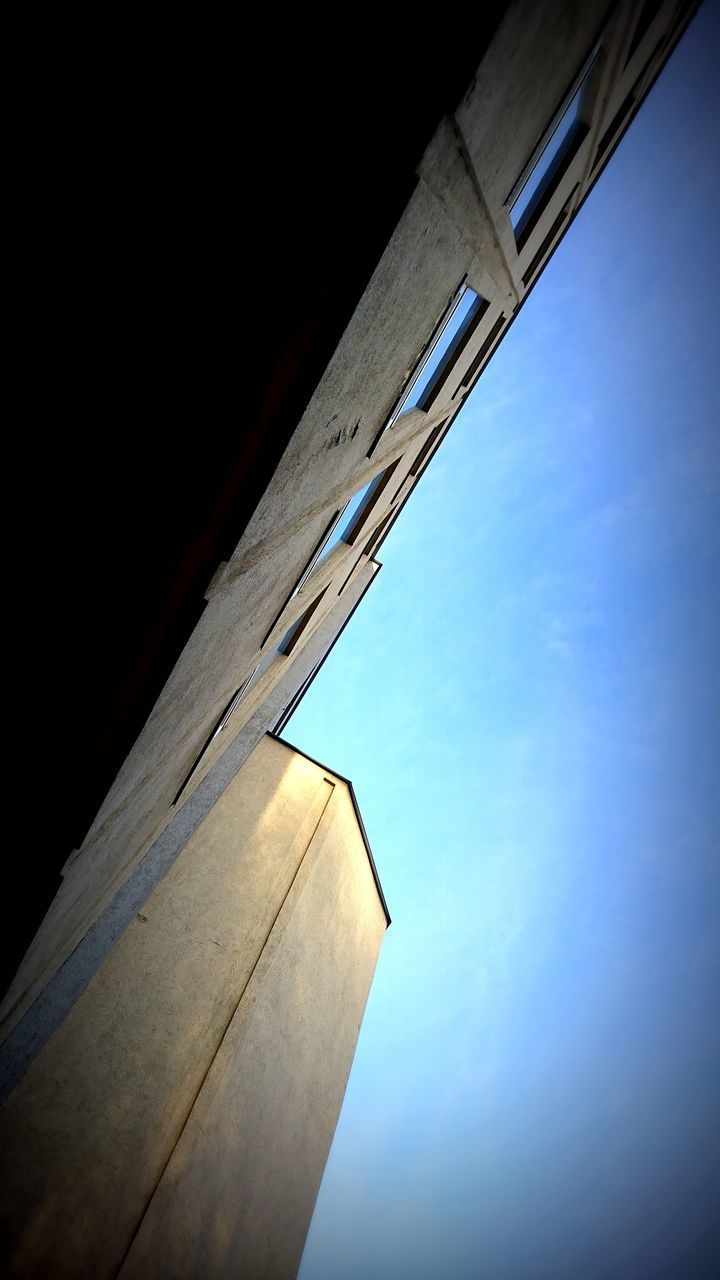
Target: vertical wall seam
<point>228,1024</point>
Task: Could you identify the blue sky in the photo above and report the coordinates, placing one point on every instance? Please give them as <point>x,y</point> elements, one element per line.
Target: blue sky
<point>528,703</point>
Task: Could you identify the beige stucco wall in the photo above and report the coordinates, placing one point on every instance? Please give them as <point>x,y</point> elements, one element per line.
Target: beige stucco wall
<point>193,1090</point>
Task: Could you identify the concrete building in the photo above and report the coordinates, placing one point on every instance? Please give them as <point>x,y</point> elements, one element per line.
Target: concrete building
<point>497,186</point>
<point>335,431</point>
<point>179,1120</point>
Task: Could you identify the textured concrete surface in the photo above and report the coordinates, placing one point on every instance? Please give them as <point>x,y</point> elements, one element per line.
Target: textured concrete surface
<point>54,1001</point>
<point>456,228</point>
<point>270,920</point>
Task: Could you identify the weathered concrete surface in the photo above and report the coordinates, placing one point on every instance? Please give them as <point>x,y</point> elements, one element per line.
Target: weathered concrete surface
<point>94,882</point>
<point>536,52</point>
<point>86,1135</point>
<point>54,1002</point>
<point>413,284</point>
<point>456,228</point>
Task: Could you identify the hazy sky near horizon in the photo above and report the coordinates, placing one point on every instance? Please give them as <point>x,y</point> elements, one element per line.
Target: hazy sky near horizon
<point>528,703</point>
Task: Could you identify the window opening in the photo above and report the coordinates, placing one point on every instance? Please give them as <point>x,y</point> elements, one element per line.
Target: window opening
<point>399,489</point>
<point>237,697</point>
<point>232,704</point>
<point>465,313</point>
<point>614,126</point>
<point>425,393</point>
<point>356,506</point>
<point>427,448</point>
<point>317,555</point>
<point>556,152</point>
<point>483,353</point>
<point>297,697</point>
<point>349,576</point>
<point>294,633</point>
<point>364,501</point>
<point>379,534</point>
<point>341,528</point>
<point>625,108</point>
<point>286,646</point>
<point>547,242</point>
<point>648,14</point>
<point>345,520</point>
